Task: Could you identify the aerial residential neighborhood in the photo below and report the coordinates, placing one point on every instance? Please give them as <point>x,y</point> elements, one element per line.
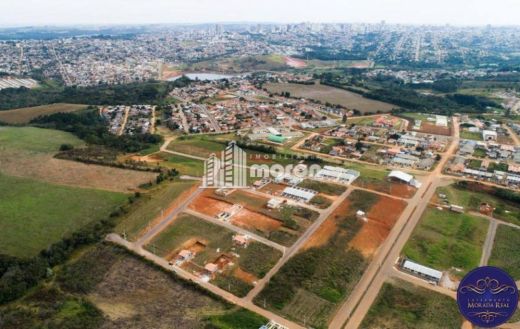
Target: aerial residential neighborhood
<point>259,165</point>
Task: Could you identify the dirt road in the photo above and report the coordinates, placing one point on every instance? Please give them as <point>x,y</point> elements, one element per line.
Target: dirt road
<point>353,311</point>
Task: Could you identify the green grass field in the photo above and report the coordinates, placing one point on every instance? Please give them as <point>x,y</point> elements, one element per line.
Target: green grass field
<point>400,305</point>
<point>149,207</point>
<point>24,115</point>
<point>201,146</point>
<point>505,250</point>
<point>464,134</point>
<point>470,200</point>
<point>35,139</point>
<point>33,214</point>
<point>445,239</point>
<point>185,166</point>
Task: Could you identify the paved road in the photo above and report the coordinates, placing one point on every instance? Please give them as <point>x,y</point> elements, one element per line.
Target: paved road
<point>488,243</point>
<point>297,245</point>
<point>114,238</point>
<point>237,229</point>
<point>357,305</point>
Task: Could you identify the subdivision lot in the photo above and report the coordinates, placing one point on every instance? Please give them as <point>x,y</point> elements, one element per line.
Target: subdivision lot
<point>332,95</point>
<point>25,115</point>
<point>152,206</point>
<point>130,294</point>
<point>445,240</point>
<point>201,146</point>
<point>29,152</point>
<point>34,214</point>
<point>472,196</point>
<point>283,225</point>
<point>238,266</point>
<point>505,250</point>
<point>401,305</point>
<point>325,271</point>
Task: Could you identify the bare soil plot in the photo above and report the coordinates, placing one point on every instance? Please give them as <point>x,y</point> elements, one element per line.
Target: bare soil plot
<point>255,221</point>
<point>332,95</point>
<point>384,185</point>
<point>381,219</point>
<point>207,205</point>
<point>24,115</point>
<point>327,230</point>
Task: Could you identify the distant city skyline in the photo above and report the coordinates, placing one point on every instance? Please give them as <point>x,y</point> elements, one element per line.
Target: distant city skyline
<point>15,13</point>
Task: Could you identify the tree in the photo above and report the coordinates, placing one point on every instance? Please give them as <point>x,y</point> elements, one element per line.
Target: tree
<point>344,119</point>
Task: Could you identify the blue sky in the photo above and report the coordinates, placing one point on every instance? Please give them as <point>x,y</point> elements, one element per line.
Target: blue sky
<point>66,12</point>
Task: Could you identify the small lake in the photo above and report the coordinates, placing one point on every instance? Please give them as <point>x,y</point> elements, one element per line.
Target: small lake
<point>205,76</point>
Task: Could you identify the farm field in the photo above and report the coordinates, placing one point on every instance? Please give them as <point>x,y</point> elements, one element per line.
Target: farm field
<point>444,240</point>
<point>29,152</point>
<point>93,292</point>
<point>401,305</point>
<point>471,198</point>
<point>214,244</point>
<point>34,214</point>
<point>150,205</point>
<point>312,283</point>
<point>25,115</point>
<point>332,95</point>
<point>505,250</point>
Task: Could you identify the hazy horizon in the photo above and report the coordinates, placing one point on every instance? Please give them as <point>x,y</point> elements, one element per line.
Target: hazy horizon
<point>132,12</point>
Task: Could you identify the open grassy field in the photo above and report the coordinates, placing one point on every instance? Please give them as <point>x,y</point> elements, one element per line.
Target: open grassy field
<point>332,95</point>
<point>215,241</point>
<point>200,145</point>
<point>185,166</point>
<point>445,239</point>
<point>150,206</point>
<point>35,214</point>
<point>471,200</point>
<point>230,65</point>
<point>29,152</point>
<point>505,250</point>
<point>106,287</point>
<point>24,115</point>
<point>401,305</point>
<point>464,134</point>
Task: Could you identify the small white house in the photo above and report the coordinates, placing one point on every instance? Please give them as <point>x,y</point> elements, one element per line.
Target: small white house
<point>489,135</point>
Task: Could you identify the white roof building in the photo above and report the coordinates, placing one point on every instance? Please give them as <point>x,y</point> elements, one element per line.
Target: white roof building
<point>298,193</point>
<point>407,178</point>
<point>441,120</point>
<point>337,174</point>
<point>422,270</point>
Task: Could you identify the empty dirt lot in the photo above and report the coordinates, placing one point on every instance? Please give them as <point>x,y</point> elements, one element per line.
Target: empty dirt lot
<point>381,218</point>
<point>332,95</point>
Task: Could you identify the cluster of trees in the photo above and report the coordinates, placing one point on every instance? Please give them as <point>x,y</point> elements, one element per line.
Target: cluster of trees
<point>135,93</point>
<point>92,128</point>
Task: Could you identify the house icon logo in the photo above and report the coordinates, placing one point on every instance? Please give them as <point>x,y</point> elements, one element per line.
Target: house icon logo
<point>228,171</point>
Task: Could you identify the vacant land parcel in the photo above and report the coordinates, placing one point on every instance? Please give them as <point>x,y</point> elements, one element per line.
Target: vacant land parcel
<point>401,305</point>
<point>29,152</point>
<point>445,239</point>
<point>505,250</point>
<point>35,214</point>
<point>331,95</point>
<point>25,115</point>
<point>312,283</point>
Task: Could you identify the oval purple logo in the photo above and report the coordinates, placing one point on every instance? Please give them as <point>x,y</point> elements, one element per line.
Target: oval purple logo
<point>487,296</point>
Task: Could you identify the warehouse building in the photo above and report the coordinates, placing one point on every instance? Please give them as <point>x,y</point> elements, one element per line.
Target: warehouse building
<point>404,177</point>
<point>338,174</point>
<point>299,194</point>
<point>421,271</point>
